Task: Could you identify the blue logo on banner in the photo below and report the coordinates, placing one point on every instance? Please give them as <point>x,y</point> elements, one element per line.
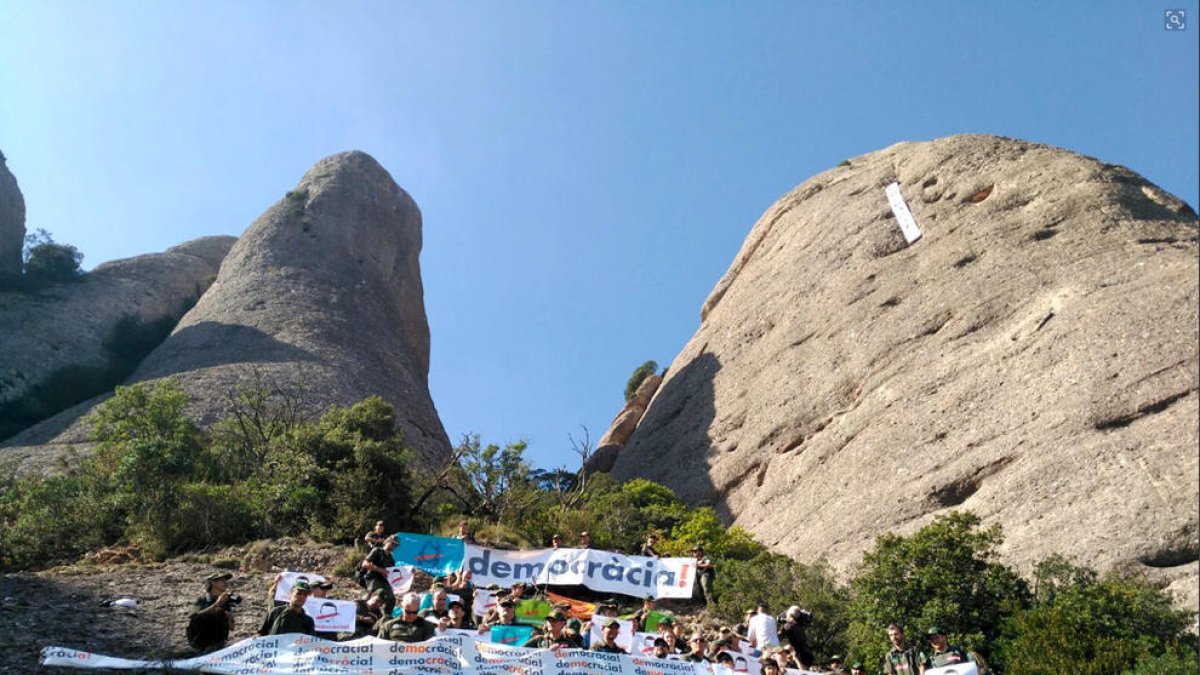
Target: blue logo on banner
<point>513,636</point>
<point>433,555</point>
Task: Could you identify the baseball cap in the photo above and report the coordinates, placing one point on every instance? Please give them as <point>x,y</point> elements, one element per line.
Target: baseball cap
<point>215,576</point>
<point>666,621</point>
<point>324,585</point>
<point>612,622</point>
<point>302,586</point>
<point>507,603</point>
<point>556,615</point>
<point>934,630</point>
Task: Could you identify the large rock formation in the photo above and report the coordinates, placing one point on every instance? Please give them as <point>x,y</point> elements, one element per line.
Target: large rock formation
<point>1032,358</point>
<point>12,222</point>
<point>321,295</point>
<point>72,326</point>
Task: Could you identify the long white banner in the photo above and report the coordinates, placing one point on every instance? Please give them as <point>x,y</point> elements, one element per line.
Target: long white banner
<point>447,654</point>
<point>634,575</point>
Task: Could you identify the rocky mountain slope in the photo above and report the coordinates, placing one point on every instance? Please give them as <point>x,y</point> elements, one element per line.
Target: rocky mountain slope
<point>322,294</point>
<point>12,222</point>
<point>1032,358</point>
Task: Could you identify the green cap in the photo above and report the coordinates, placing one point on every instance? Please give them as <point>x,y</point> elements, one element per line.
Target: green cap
<point>934,630</point>
<point>857,665</point>
<point>302,586</point>
<point>215,576</point>
<point>612,622</point>
<point>556,615</point>
<point>835,657</point>
<point>666,621</point>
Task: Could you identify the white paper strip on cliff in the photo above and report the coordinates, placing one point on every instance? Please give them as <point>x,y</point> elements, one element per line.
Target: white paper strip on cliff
<point>907,224</point>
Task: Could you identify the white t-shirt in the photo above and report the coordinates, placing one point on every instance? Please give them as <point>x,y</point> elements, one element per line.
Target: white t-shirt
<point>763,631</point>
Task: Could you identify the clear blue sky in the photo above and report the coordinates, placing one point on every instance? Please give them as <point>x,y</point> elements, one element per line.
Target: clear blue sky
<point>586,170</point>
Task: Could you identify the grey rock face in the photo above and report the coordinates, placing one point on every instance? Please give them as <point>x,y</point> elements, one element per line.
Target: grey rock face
<point>12,222</point>
<point>1033,358</point>
<point>67,325</point>
<point>325,286</point>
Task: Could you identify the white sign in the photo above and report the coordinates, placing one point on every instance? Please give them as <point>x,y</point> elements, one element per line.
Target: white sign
<point>903,216</point>
<point>624,635</point>
<point>956,669</point>
<point>283,590</point>
<point>605,571</point>
<point>484,601</point>
<point>400,578</point>
<point>331,616</point>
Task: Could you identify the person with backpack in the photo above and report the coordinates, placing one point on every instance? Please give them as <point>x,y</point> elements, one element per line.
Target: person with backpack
<point>375,573</point>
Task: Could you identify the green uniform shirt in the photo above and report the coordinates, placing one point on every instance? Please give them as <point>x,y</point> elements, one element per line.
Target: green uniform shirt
<point>285,619</point>
<point>615,649</point>
<point>953,654</point>
<point>398,630</point>
<point>902,661</point>
<point>564,641</point>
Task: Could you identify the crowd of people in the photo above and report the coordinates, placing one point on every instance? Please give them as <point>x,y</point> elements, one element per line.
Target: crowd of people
<point>777,643</point>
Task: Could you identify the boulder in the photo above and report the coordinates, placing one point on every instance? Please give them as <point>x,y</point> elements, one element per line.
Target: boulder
<point>321,296</point>
<point>12,222</point>
<point>67,331</point>
<point>1031,358</point>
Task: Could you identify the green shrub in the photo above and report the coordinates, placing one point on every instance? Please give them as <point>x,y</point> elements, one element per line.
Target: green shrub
<point>47,262</point>
<point>945,574</point>
<point>209,515</point>
<point>635,380</point>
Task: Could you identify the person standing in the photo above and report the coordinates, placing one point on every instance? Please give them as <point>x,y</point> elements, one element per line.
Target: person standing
<point>209,625</point>
<point>704,573</point>
<point>902,658</point>
<point>944,653</point>
<point>762,629</point>
<point>290,618</point>
<point>648,548</point>
<point>795,631</point>
<point>376,567</point>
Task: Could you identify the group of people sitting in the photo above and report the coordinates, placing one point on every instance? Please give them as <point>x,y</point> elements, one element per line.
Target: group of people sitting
<point>777,643</point>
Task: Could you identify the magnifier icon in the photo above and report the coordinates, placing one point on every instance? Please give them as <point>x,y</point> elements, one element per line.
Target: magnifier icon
<point>1176,19</point>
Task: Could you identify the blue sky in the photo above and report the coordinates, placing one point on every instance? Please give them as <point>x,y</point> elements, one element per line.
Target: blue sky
<point>586,170</point>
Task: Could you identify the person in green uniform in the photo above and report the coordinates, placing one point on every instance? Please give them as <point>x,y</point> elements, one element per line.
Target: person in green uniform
<point>609,644</point>
<point>212,619</point>
<point>290,618</point>
<point>944,653</point>
<point>367,614</point>
<point>554,635</point>
<point>409,626</point>
<point>902,658</point>
<point>375,565</point>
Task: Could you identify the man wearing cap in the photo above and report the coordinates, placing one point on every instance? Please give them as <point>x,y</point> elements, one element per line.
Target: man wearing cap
<point>209,624</point>
<point>661,649</point>
<point>556,542</point>
<point>640,617</point>
<point>367,613</point>
<point>585,539</point>
<point>375,565</point>
<point>554,635</point>
<point>698,648</point>
<point>609,645</point>
<point>409,626</point>
<point>836,665</point>
<point>857,668</point>
<point>666,630</point>
<point>290,618</point>
<point>704,573</point>
<point>944,653</point>
<point>506,615</point>
<point>493,614</point>
<point>902,658</point>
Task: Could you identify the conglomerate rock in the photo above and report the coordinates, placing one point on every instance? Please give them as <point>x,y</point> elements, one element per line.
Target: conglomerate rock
<point>1031,358</point>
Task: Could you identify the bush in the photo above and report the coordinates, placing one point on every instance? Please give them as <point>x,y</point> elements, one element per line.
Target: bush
<point>635,380</point>
<point>942,575</point>
<point>47,262</point>
<point>1087,625</point>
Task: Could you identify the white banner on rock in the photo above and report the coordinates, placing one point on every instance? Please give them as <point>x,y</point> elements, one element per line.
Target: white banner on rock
<point>908,225</point>
<point>604,571</point>
<point>283,590</point>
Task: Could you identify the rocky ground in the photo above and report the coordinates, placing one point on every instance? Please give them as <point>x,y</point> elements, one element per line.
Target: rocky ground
<point>64,606</point>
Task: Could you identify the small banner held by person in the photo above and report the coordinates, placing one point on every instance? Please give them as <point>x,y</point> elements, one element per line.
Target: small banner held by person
<point>513,636</point>
<point>532,611</point>
<point>956,669</point>
<point>624,635</point>
<point>400,578</point>
<point>331,616</point>
<point>484,601</point>
<point>283,590</point>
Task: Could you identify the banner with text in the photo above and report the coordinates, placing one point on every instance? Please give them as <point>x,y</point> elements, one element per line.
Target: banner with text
<point>450,653</point>
<point>604,571</point>
<point>331,616</point>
